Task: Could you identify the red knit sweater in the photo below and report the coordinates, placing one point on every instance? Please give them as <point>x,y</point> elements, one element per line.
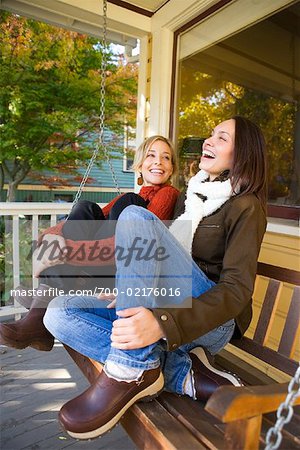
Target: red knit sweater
<point>162,201</point>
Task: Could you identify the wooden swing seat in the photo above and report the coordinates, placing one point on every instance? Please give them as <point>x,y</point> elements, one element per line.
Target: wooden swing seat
<point>234,417</point>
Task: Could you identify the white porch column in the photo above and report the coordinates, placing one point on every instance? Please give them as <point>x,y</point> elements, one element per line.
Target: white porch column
<point>143,95</point>
<point>143,90</point>
<point>161,72</point>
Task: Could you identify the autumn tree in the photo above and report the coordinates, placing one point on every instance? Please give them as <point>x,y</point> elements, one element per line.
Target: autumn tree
<point>50,98</point>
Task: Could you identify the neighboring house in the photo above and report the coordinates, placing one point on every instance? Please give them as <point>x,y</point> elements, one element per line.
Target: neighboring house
<point>100,187</point>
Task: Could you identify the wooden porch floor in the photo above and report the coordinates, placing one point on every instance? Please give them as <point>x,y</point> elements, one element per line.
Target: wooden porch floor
<point>33,387</point>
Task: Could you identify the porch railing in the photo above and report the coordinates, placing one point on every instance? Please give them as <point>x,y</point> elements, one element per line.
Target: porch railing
<point>15,213</point>
<point>34,213</point>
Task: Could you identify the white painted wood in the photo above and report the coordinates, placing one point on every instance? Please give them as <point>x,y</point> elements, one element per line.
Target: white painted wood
<point>142,96</point>
<point>16,257</point>
<point>283,226</point>
<point>34,236</point>
<point>34,209</point>
<point>30,208</point>
<point>161,73</point>
<point>12,310</point>
<point>53,220</point>
<point>85,16</point>
<point>16,251</point>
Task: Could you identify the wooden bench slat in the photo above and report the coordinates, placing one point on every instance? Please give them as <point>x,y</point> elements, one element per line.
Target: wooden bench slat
<point>289,335</point>
<point>290,432</point>
<point>278,273</point>
<point>267,313</point>
<point>192,414</point>
<point>248,374</point>
<point>293,427</point>
<point>267,355</point>
<point>152,427</point>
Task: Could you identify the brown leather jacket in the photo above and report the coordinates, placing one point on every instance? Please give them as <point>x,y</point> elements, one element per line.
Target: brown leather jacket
<point>226,247</point>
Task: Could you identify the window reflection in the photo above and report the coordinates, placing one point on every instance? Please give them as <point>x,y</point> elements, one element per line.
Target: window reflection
<point>255,73</point>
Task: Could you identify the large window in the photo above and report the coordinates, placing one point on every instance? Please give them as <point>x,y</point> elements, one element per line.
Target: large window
<point>255,73</point>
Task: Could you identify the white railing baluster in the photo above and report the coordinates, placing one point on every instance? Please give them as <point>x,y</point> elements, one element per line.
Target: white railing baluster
<point>53,220</point>
<point>34,237</point>
<point>16,251</point>
<point>16,209</point>
<point>16,257</point>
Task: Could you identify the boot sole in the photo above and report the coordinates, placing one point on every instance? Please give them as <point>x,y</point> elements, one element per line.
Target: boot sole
<point>42,347</point>
<point>201,355</point>
<point>37,345</point>
<point>149,393</point>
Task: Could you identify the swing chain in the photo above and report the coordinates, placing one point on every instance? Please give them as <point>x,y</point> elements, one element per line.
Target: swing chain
<point>100,142</point>
<point>284,413</point>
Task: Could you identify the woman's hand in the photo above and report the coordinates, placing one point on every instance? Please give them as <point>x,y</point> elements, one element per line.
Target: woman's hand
<point>136,328</point>
<point>50,252</point>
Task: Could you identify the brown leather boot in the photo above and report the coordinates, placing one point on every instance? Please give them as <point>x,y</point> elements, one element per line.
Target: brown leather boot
<point>207,378</point>
<point>102,405</point>
<point>30,331</point>
<point>25,295</point>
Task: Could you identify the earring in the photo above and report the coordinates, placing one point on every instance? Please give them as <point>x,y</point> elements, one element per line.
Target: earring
<point>140,180</point>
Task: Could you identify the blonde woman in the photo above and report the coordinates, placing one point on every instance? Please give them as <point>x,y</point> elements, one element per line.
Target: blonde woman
<point>88,228</point>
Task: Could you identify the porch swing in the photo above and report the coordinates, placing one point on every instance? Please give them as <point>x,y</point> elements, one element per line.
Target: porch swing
<point>285,410</point>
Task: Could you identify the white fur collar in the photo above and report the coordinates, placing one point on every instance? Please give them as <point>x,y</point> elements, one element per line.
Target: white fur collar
<point>215,194</point>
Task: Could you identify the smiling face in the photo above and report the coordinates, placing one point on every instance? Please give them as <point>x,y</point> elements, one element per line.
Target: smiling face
<point>218,149</point>
<point>157,166</point>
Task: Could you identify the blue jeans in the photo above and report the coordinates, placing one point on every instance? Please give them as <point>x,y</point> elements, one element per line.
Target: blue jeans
<point>84,325</point>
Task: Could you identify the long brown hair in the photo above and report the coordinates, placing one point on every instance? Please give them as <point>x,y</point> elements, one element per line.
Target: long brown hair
<point>249,169</point>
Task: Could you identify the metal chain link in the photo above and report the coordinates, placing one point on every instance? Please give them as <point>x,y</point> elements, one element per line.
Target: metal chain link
<point>284,413</point>
<point>100,142</point>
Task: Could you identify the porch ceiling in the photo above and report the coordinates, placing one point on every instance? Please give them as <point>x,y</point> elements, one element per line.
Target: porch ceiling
<point>150,5</point>
<point>127,20</point>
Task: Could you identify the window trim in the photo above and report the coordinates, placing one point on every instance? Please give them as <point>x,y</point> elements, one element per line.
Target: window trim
<point>283,211</point>
<point>125,162</point>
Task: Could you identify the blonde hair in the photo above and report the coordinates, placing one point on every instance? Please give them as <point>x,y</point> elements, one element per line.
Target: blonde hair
<point>142,151</point>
